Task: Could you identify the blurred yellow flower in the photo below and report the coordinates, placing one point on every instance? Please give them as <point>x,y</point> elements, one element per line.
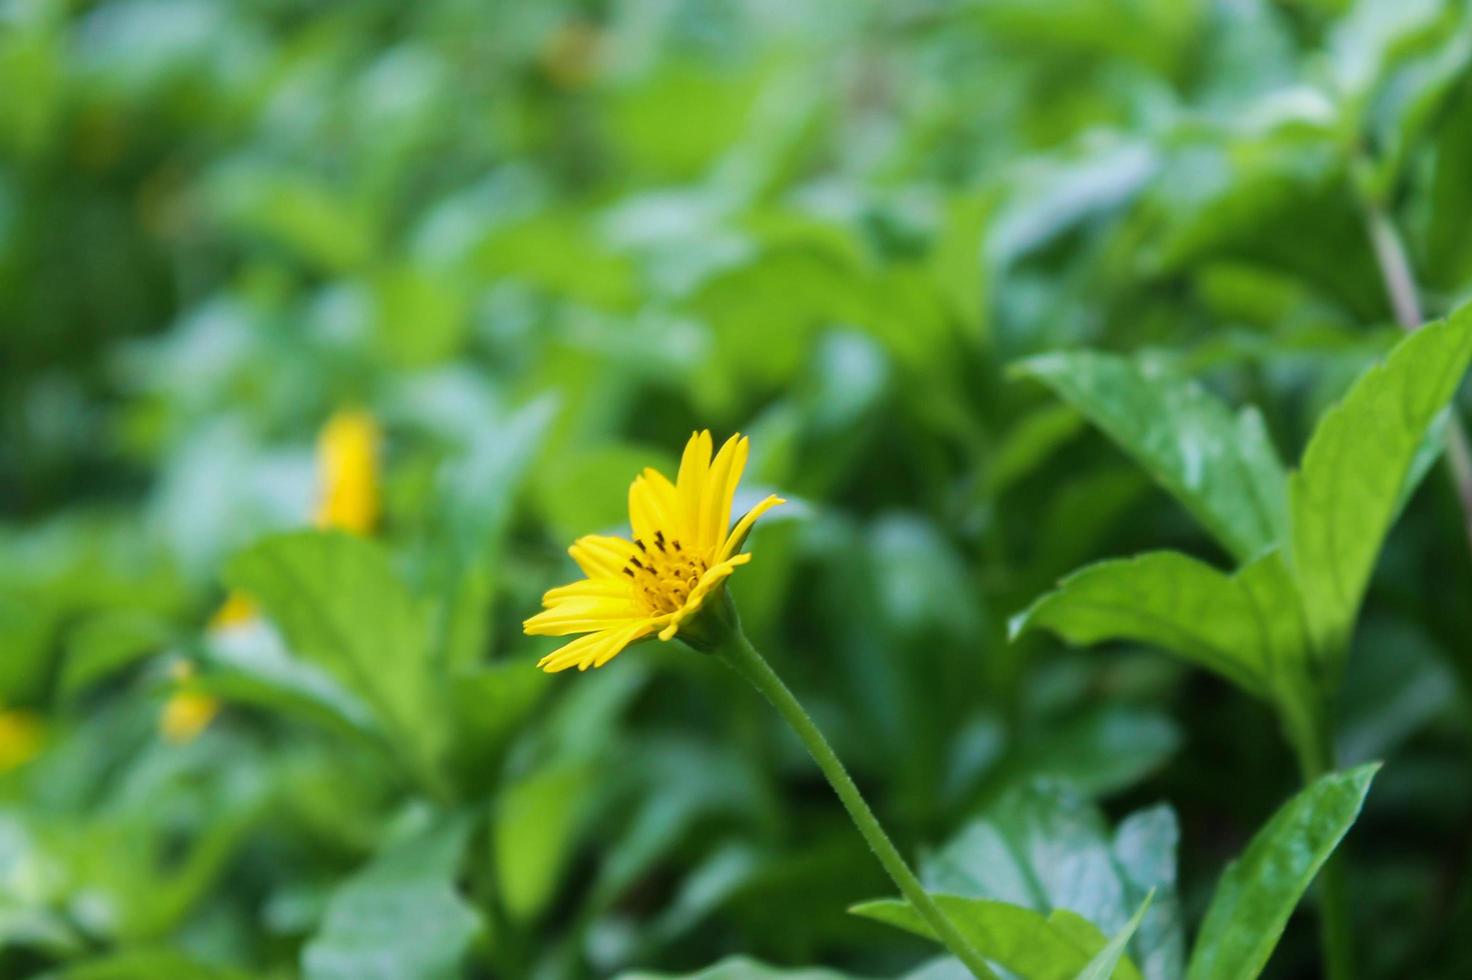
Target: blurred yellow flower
<point>347,467</point>
<point>20,738</point>
<point>237,609</point>
<point>680,555</point>
<point>187,712</point>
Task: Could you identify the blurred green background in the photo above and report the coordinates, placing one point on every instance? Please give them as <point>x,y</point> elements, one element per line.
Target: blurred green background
<point>539,243</point>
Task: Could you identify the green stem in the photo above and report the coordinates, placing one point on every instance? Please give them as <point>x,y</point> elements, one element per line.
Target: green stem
<point>746,661</point>
<point>1316,758</point>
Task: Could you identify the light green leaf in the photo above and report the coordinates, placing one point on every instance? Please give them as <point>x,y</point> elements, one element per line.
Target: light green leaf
<point>1107,960</point>
<point>532,835</point>
<point>1024,941</point>
<point>1260,889</point>
<point>1222,468</point>
<point>340,606</point>
<point>401,916</point>
<point>249,664</point>
<point>1164,599</point>
<point>1345,495</point>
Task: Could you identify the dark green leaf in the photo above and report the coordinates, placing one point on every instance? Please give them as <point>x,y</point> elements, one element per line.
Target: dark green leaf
<point>1261,888</point>
<point>1222,468</point>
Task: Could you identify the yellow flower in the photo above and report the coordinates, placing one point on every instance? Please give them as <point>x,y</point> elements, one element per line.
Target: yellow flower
<point>237,609</point>
<point>680,555</point>
<point>187,711</point>
<point>20,738</point>
<point>347,465</point>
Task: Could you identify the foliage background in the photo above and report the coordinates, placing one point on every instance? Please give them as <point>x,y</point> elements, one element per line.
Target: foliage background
<point>541,243</point>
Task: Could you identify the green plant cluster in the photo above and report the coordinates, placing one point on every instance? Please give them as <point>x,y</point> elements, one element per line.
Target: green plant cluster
<point>1130,526</point>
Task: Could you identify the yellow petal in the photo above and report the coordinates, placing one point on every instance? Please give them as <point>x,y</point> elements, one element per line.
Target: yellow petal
<point>347,464</point>
<point>720,490</point>
<point>590,588</point>
<point>654,505</point>
<point>569,654</point>
<point>581,615</point>
<point>618,644</point>
<point>743,527</point>
<point>601,556</point>
<point>694,469</point>
<point>595,649</point>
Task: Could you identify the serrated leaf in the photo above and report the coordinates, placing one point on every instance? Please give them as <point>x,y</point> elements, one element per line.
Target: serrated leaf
<point>1260,889</point>
<point>1345,495</point>
<point>1221,467</point>
<point>401,916</point>
<point>1022,940</point>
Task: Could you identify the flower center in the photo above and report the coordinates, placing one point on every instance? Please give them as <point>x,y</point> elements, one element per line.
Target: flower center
<point>664,574</point>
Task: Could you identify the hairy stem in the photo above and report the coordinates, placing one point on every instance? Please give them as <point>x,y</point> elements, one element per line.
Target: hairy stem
<point>746,661</point>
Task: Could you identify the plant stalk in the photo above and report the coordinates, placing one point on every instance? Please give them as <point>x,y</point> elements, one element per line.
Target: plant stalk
<point>738,652</point>
<point>1316,758</point>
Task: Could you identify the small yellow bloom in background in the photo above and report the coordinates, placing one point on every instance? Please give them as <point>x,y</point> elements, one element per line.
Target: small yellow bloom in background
<point>237,610</point>
<point>347,467</point>
<point>570,55</point>
<point>20,738</point>
<point>187,712</point>
<point>680,555</point>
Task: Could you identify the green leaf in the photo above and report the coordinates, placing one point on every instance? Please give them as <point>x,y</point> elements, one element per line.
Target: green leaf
<point>532,835</point>
<point>1024,941</point>
<point>401,916</point>
<point>340,606</point>
<point>1167,600</point>
<point>1045,847</point>
<point>1261,888</point>
<point>1222,468</point>
<point>249,664</point>
<point>740,968</point>
<point>1345,495</point>
<point>1107,960</point>
<point>148,964</point>
<point>492,701</point>
<point>105,644</point>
